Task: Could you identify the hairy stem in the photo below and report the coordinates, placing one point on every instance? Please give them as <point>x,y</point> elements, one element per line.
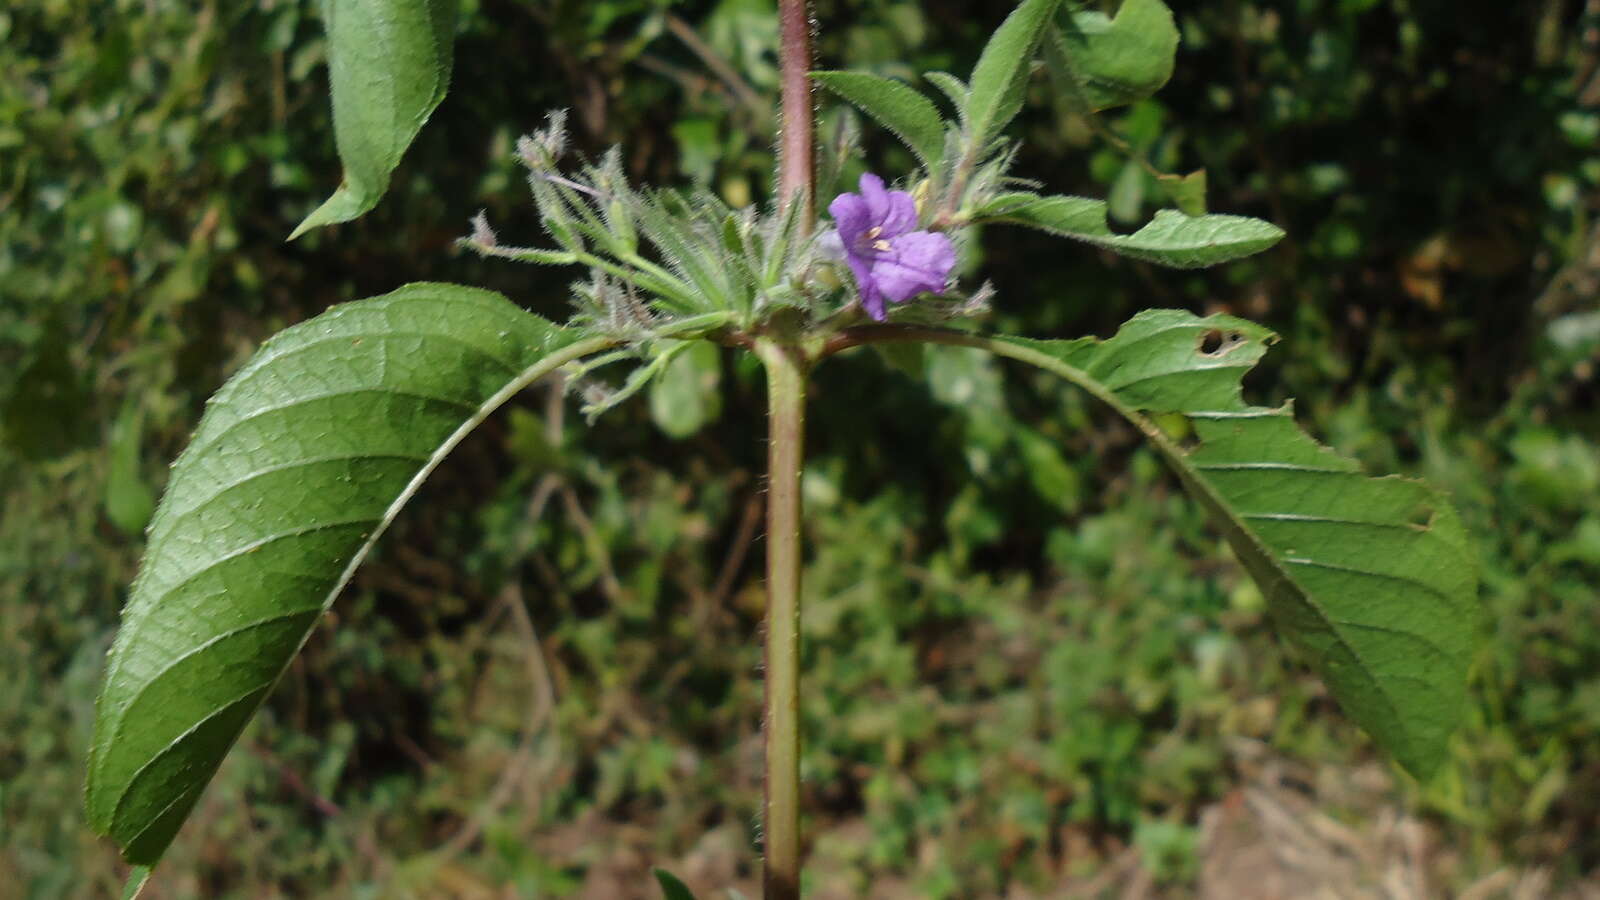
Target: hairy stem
<point>786,396</point>
<point>796,125</point>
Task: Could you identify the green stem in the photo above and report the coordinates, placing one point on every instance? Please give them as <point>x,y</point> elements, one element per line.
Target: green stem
<point>786,367</point>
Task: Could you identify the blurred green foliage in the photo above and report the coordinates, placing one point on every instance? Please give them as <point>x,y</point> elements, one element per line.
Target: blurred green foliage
<point>1020,653</point>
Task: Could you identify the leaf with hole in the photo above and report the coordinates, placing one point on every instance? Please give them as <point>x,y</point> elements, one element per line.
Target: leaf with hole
<point>1172,238</point>
<point>1372,578</point>
<point>388,69</point>
<point>299,463</point>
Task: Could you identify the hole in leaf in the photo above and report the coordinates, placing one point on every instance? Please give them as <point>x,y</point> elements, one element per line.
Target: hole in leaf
<point>1421,517</point>
<point>1216,342</point>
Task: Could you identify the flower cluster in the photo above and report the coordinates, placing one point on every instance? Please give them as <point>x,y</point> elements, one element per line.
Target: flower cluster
<point>671,264</point>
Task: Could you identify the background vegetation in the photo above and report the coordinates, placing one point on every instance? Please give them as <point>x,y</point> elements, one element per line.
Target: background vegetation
<point>1031,670</point>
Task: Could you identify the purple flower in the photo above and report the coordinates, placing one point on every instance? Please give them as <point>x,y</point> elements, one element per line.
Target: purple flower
<point>890,261</point>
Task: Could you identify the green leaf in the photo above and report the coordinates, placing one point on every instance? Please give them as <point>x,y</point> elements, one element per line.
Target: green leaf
<point>662,355</point>
<point>1125,200</point>
<point>129,499</point>
<point>685,397</point>
<point>1048,471</point>
<point>900,108</point>
<point>910,359</point>
<point>999,79</point>
<point>1170,239</point>
<point>300,462</point>
<point>388,68</point>
<point>1187,192</point>
<point>1372,578</point>
<point>134,886</point>
<point>954,88</point>
<point>671,887</point>
<point>1118,61</point>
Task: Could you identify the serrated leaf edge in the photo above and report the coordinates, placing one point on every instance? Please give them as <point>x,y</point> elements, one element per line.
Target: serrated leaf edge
<point>560,357</point>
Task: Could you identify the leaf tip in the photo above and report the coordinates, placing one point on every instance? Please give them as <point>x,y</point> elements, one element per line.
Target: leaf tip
<point>1423,763</point>
<point>135,885</point>
<point>671,887</point>
<point>346,203</point>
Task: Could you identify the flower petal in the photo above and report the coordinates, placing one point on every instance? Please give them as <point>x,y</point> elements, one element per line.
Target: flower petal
<point>871,297</point>
<point>917,262</point>
<point>893,212</point>
<point>874,194</point>
<point>851,214</point>
<point>889,260</point>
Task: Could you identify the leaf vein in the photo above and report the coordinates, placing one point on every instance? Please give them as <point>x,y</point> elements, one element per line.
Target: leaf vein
<point>1371,573</point>
<point>257,545</point>
<point>1151,376</point>
<point>1264,466</point>
<point>171,745</point>
<point>178,516</point>
<point>346,337</point>
<point>1328,520</point>
<point>313,398</point>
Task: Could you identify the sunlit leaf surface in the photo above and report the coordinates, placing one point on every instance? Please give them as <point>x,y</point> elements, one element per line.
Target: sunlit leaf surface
<point>300,461</point>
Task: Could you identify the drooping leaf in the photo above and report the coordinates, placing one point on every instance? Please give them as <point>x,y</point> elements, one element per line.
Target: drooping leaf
<point>300,462</point>
<point>388,68</point>
<point>1372,578</point>
<point>896,106</point>
<point>1170,239</point>
<point>1117,61</point>
<point>1001,75</point>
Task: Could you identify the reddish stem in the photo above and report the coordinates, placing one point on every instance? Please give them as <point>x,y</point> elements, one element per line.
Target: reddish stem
<point>796,125</point>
